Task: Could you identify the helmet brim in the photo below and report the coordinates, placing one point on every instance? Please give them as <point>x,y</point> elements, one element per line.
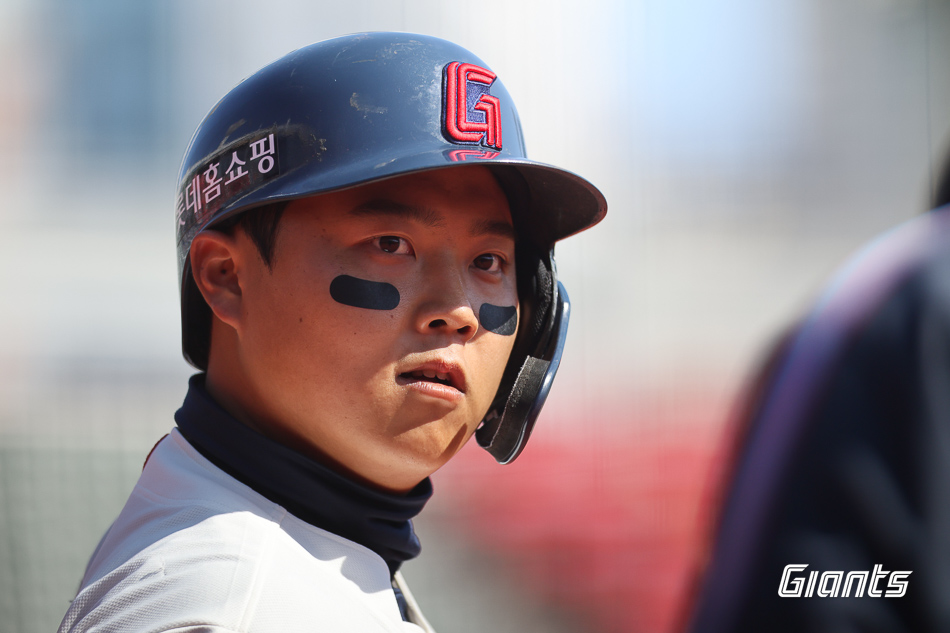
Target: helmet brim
<point>554,203</point>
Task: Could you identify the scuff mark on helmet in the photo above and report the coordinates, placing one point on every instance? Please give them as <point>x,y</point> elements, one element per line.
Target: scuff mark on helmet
<point>355,102</point>
<point>227,135</point>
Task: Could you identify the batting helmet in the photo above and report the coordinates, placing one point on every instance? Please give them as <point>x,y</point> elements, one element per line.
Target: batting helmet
<point>366,107</point>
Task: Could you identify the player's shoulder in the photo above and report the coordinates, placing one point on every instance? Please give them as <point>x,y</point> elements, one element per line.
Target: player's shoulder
<point>184,507</point>
<point>194,545</point>
<point>179,496</point>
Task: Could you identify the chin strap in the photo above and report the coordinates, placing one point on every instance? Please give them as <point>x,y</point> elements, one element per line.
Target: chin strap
<point>505,434</point>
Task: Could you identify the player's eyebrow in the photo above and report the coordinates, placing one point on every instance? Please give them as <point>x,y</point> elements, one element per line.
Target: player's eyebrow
<point>492,227</point>
<point>383,207</point>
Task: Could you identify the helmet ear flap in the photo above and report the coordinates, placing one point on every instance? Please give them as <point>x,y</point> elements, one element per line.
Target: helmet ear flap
<point>534,360</point>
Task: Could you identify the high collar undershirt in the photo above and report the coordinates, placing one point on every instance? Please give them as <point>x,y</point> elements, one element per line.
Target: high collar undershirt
<point>309,490</point>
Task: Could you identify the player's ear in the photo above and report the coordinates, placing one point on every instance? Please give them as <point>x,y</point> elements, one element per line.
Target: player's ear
<point>215,259</point>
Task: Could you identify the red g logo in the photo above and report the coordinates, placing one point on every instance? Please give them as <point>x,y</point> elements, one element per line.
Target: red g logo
<point>470,114</point>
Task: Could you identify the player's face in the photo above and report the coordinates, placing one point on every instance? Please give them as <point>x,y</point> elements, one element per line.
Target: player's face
<point>378,338</point>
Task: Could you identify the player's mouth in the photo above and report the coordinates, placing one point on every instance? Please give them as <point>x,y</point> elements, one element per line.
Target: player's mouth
<point>440,379</point>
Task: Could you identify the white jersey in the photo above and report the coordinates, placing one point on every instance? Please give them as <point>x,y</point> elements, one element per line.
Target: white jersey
<point>196,550</point>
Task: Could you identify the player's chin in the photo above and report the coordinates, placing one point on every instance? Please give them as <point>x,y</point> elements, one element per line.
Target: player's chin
<point>429,446</point>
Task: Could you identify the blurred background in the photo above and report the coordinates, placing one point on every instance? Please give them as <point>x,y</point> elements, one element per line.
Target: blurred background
<point>745,148</point>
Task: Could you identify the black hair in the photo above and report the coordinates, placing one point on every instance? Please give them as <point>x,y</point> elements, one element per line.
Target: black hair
<point>261,225</point>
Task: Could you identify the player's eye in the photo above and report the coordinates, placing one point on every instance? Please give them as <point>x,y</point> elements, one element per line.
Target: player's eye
<point>394,245</point>
<point>488,262</point>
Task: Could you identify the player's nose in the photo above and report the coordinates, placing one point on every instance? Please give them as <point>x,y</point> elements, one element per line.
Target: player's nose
<point>446,306</point>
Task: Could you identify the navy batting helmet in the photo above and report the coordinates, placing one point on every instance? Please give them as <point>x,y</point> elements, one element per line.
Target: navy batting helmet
<point>366,107</point>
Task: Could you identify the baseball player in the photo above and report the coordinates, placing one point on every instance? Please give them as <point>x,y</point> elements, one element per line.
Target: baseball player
<point>367,280</point>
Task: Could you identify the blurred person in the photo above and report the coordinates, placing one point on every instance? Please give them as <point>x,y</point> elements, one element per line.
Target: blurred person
<point>837,517</point>
<point>367,280</point>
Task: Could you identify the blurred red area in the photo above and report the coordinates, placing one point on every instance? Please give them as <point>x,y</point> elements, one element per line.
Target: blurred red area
<point>611,528</point>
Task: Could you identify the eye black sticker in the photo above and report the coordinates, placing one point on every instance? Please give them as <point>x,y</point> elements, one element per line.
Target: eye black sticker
<point>360,293</point>
<point>498,319</point>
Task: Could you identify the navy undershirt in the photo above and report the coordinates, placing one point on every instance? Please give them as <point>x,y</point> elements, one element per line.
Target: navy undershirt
<point>309,490</point>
